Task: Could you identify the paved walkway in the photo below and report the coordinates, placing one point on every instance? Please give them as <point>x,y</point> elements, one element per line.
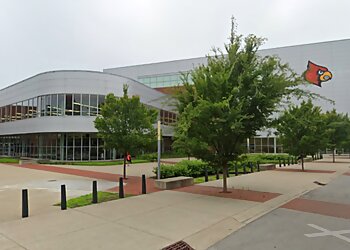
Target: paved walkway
<point>132,183</point>
<point>196,215</point>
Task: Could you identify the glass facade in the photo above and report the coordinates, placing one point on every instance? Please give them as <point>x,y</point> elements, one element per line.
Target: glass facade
<point>264,145</point>
<point>56,146</point>
<point>165,80</point>
<point>52,105</point>
<point>60,146</point>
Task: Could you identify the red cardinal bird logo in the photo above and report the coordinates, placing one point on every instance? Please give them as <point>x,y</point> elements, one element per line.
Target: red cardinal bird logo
<point>317,74</point>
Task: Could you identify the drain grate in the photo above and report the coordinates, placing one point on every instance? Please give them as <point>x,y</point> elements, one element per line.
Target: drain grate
<point>180,245</point>
<point>51,180</point>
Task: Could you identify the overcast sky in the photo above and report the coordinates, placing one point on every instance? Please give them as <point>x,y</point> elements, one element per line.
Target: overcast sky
<point>44,35</point>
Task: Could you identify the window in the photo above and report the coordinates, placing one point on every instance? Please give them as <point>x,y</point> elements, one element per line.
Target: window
<point>77,104</point>
<point>48,105</point>
<point>93,105</point>
<point>19,111</point>
<point>101,100</point>
<point>85,105</point>
<point>13,112</point>
<point>35,107</point>
<point>3,116</point>
<point>69,110</point>
<point>60,104</point>
<point>54,107</point>
<point>43,105</point>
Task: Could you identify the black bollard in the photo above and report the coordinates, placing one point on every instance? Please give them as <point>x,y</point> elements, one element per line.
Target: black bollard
<point>94,192</point>
<point>206,178</point>
<point>244,169</point>
<point>258,166</point>
<point>228,172</point>
<point>288,161</point>
<point>63,197</point>
<point>144,184</point>
<point>284,162</point>
<point>121,188</point>
<point>251,167</point>
<point>279,162</point>
<point>236,169</point>
<point>25,210</point>
<point>217,174</point>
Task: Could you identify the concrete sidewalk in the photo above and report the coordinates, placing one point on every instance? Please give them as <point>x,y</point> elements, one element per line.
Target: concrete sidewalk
<point>159,219</point>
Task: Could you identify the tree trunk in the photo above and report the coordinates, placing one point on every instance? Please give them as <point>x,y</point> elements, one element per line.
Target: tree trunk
<point>224,179</point>
<point>333,155</point>
<point>302,162</point>
<point>124,169</point>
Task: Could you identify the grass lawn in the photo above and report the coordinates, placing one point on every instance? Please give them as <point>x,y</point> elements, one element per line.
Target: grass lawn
<point>86,200</point>
<point>8,160</point>
<point>90,163</point>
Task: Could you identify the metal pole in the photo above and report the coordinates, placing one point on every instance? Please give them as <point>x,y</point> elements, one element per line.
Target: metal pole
<point>63,197</point>
<point>143,184</point>
<point>94,192</point>
<point>121,188</point>
<point>25,210</point>
<point>159,137</point>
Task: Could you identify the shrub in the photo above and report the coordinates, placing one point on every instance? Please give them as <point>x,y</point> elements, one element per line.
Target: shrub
<point>168,171</point>
<point>149,157</point>
<point>191,168</point>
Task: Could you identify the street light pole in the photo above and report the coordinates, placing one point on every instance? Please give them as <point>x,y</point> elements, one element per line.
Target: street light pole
<point>159,137</point>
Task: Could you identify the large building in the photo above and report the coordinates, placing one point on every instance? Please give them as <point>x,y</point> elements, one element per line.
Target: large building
<point>50,115</point>
<point>333,55</point>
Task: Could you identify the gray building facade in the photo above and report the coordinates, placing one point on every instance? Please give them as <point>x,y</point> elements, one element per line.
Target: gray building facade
<point>333,55</point>
<point>51,115</point>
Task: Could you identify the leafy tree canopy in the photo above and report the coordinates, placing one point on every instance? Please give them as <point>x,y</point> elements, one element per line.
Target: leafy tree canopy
<point>231,98</point>
<point>302,129</point>
<point>337,130</point>
<point>125,124</point>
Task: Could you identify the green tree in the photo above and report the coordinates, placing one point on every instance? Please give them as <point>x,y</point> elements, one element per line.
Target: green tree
<point>231,98</point>
<point>302,130</point>
<point>125,124</point>
<point>346,142</point>
<point>337,130</point>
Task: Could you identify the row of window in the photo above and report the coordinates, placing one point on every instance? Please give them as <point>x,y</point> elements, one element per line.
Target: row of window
<point>56,147</point>
<point>167,118</point>
<point>53,105</point>
<point>63,104</point>
<point>162,80</point>
<point>264,145</point>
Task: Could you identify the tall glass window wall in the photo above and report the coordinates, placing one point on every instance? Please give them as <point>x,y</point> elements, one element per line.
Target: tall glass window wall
<point>264,145</point>
<point>57,146</point>
<point>53,105</point>
<point>166,80</point>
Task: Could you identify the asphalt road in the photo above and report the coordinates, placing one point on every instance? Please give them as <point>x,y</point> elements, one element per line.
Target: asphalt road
<point>290,229</point>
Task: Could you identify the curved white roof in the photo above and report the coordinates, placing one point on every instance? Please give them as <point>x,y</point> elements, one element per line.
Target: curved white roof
<point>80,81</point>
